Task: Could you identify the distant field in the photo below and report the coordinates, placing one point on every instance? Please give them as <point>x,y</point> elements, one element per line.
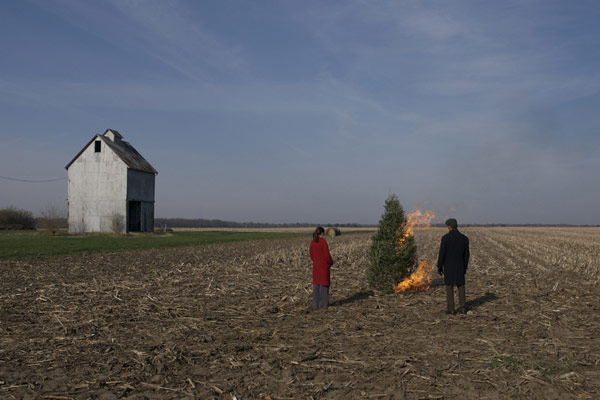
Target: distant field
<point>289,229</point>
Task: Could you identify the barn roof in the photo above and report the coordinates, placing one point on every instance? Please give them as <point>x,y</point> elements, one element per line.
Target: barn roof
<point>126,152</point>
<point>116,133</point>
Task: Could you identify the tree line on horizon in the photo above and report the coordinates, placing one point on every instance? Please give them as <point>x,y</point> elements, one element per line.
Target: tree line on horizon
<point>12,218</point>
<point>51,219</point>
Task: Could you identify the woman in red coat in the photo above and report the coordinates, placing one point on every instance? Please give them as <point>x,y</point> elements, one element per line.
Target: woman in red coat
<point>322,262</point>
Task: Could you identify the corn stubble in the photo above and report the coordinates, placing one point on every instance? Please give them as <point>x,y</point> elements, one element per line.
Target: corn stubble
<point>235,321</point>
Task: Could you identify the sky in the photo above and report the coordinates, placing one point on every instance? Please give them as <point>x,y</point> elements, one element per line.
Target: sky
<point>312,111</point>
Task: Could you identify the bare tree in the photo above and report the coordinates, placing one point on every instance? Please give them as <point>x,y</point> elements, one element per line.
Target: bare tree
<point>53,219</point>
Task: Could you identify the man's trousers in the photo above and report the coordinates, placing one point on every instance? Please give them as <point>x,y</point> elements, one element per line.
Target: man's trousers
<point>450,298</point>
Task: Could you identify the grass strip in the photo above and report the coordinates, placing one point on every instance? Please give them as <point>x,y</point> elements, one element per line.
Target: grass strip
<point>31,244</point>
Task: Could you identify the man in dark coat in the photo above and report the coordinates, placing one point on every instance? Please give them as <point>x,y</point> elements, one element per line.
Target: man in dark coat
<point>452,263</point>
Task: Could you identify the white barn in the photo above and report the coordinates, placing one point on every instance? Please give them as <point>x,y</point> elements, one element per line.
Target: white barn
<point>111,187</point>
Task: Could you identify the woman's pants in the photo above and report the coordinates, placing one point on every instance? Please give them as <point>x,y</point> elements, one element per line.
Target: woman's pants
<point>320,296</point>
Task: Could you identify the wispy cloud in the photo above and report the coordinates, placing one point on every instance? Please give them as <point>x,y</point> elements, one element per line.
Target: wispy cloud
<point>173,32</point>
<point>473,105</point>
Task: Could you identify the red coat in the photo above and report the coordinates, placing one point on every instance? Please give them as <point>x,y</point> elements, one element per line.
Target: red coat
<point>319,254</point>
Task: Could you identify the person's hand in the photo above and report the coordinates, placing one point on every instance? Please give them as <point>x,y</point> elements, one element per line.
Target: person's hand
<point>441,270</point>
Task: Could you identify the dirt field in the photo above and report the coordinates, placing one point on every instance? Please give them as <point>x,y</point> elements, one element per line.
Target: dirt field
<point>234,321</point>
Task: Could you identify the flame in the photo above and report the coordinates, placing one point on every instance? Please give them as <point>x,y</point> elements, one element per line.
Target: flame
<point>418,280</point>
<point>415,220</point>
<point>421,278</point>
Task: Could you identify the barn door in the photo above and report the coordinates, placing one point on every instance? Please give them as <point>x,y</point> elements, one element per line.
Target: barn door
<point>134,216</point>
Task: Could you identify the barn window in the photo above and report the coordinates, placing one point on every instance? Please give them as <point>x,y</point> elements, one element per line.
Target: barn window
<point>97,148</point>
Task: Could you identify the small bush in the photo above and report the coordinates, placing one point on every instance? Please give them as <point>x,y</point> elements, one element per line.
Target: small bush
<point>390,261</point>
<point>53,219</point>
<point>117,223</point>
<point>13,218</point>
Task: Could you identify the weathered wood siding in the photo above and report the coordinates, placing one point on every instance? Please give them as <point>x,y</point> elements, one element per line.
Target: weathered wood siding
<point>97,190</point>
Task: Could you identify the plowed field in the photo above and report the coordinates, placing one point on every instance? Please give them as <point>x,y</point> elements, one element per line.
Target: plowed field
<point>234,321</point>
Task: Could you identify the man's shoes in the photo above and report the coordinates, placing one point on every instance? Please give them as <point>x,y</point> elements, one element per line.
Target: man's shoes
<point>448,312</point>
<point>462,310</point>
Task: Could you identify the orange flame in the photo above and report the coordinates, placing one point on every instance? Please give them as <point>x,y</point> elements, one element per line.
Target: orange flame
<point>418,280</point>
<point>415,220</point>
<point>421,278</point>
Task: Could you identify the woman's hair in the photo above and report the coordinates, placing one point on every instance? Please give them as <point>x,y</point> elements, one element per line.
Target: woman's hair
<point>317,232</point>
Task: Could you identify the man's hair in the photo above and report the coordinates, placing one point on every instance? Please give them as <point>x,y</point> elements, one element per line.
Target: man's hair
<point>451,222</point>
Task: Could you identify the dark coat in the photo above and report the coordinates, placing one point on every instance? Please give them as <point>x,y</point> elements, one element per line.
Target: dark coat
<point>454,257</point>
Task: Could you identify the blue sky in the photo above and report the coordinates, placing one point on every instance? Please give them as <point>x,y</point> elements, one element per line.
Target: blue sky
<point>312,111</point>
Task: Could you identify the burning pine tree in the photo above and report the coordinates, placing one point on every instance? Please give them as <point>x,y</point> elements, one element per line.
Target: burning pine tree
<point>421,278</point>
<point>393,253</point>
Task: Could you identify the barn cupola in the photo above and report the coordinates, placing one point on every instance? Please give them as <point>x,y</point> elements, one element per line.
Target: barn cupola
<point>113,135</point>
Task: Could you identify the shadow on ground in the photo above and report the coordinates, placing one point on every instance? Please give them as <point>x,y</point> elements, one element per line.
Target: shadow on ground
<point>355,297</point>
<point>487,297</point>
